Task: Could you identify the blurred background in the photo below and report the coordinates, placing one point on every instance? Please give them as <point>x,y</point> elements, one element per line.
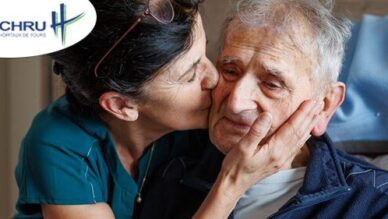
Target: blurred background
<point>27,86</point>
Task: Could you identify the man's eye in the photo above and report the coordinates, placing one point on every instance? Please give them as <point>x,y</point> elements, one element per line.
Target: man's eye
<point>229,74</point>
<point>272,85</point>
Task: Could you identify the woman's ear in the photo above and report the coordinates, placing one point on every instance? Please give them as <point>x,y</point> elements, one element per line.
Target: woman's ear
<point>119,106</point>
<point>333,98</point>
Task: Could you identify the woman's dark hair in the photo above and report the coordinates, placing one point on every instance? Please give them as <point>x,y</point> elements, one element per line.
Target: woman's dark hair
<point>149,47</point>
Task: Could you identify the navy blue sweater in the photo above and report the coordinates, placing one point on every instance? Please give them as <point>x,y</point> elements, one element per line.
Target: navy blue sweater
<point>336,185</point>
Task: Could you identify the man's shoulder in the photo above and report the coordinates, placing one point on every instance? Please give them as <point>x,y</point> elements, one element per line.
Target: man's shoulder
<point>358,174</point>
<point>362,174</point>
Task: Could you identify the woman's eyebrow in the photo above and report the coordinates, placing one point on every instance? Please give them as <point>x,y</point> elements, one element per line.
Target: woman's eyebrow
<point>191,67</point>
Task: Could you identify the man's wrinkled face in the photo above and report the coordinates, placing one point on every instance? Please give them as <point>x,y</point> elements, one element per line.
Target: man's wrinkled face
<point>260,70</point>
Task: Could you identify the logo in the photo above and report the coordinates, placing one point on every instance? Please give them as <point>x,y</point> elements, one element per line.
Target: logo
<point>63,22</point>
<point>43,26</point>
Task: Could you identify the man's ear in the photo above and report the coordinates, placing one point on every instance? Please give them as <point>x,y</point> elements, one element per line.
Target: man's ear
<point>119,106</point>
<point>333,98</point>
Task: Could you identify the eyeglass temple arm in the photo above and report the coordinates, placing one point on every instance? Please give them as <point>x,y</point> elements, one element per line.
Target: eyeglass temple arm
<point>117,42</point>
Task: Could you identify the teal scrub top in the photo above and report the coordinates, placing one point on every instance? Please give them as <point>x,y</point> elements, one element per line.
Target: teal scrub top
<point>67,159</point>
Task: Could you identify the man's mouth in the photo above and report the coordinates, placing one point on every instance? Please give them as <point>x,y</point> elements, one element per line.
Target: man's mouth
<point>235,126</point>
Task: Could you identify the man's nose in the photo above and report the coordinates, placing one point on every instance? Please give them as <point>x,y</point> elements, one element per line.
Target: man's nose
<point>210,78</point>
<point>242,96</point>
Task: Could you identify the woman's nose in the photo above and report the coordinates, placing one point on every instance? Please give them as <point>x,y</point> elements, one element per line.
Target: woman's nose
<point>211,76</point>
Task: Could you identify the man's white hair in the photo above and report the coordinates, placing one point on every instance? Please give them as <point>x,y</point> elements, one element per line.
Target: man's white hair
<point>328,34</point>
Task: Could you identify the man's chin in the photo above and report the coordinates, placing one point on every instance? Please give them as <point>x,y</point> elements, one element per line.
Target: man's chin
<point>225,144</point>
<point>224,137</point>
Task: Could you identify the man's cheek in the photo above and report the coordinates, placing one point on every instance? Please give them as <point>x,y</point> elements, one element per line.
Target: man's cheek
<point>279,119</point>
<point>218,89</point>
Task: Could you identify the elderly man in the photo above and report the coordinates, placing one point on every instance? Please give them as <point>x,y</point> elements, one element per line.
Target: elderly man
<point>277,54</point>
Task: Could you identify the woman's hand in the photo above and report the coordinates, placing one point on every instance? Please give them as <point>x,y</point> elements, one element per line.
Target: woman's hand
<point>248,162</point>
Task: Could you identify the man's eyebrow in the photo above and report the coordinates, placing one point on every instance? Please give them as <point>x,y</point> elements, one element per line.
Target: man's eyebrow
<point>229,59</point>
<point>275,72</point>
<point>191,67</point>
<point>280,75</point>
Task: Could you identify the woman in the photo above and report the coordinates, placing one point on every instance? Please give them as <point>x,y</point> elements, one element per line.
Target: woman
<point>141,74</point>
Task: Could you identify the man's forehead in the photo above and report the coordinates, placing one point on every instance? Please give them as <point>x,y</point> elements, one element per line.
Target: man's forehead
<point>270,50</point>
<point>260,43</point>
<point>260,39</point>
<point>294,37</point>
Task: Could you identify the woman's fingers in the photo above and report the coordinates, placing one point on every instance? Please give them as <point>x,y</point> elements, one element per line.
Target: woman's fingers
<point>250,161</point>
<point>296,130</point>
<point>258,131</point>
<point>285,144</point>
